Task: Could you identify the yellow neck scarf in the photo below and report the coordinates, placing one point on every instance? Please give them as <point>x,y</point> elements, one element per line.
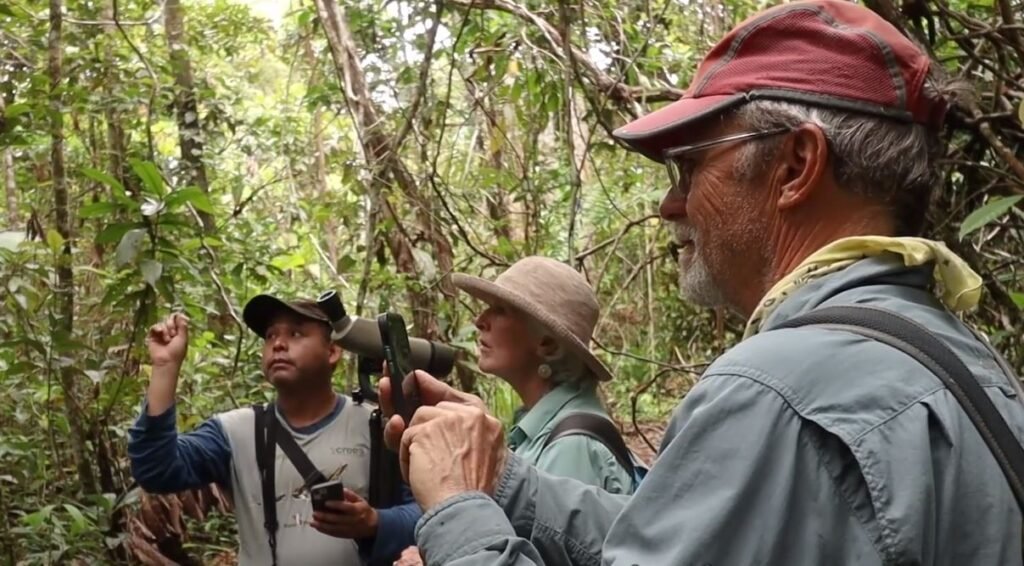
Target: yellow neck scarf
<point>960,286</point>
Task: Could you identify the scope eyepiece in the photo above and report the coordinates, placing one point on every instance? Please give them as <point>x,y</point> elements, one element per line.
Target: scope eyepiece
<point>330,303</point>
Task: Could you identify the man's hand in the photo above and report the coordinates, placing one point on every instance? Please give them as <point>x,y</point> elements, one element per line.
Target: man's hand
<point>352,518</point>
<point>431,391</point>
<point>168,341</point>
<point>409,557</point>
<point>450,449</point>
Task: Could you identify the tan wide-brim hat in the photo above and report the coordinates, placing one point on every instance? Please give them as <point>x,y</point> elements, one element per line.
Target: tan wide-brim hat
<point>553,294</point>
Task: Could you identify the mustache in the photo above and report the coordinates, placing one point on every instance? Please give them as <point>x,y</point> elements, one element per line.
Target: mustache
<point>684,233</point>
<point>681,234</point>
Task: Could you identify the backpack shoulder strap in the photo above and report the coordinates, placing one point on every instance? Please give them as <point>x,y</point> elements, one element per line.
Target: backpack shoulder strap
<point>919,343</point>
<point>597,427</point>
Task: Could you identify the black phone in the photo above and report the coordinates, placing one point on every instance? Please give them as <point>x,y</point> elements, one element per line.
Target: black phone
<point>395,339</point>
<point>321,493</point>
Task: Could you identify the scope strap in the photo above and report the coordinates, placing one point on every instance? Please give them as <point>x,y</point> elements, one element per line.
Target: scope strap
<point>919,343</point>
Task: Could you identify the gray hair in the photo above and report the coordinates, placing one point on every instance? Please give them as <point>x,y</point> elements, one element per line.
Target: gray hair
<point>890,162</point>
<point>565,367</point>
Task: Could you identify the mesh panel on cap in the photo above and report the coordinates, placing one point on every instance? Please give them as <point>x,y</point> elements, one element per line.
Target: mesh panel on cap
<point>853,66</point>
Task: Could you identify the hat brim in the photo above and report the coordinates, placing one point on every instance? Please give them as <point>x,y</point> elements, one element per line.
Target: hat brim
<point>490,293</point>
<point>261,310</point>
<point>666,127</point>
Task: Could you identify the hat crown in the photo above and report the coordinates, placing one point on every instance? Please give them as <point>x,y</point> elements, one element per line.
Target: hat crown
<point>828,48</point>
<point>557,289</point>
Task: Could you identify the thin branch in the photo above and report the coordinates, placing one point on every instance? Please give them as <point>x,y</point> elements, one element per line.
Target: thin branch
<point>151,155</point>
<point>617,90</point>
<point>629,226</point>
<point>421,87</point>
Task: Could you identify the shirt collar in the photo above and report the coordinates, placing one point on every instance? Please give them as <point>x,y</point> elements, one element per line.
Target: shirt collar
<point>534,421</point>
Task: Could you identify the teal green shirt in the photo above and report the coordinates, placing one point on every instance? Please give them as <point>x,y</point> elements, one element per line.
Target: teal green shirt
<point>576,456</point>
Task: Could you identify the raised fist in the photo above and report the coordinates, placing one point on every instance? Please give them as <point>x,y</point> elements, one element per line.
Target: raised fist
<point>168,341</point>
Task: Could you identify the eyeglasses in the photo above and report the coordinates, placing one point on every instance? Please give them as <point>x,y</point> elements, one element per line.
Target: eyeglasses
<point>679,171</point>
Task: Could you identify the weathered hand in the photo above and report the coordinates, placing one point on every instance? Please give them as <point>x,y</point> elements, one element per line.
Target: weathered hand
<point>452,448</point>
<point>431,392</point>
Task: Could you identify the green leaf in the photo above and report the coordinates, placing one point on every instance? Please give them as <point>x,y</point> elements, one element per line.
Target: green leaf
<point>192,195</point>
<point>104,178</point>
<point>151,271</point>
<point>150,176</point>
<point>78,521</point>
<point>6,10</point>
<point>1018,299</point>
<point>95,209</point>
<point>54,240</point>
<point>17,109</point>
<point>992,210</point>
<point>129,247</point>
<point>37,518</point>
<point>114,232</point>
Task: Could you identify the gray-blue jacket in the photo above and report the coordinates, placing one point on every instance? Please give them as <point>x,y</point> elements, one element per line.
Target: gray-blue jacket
<point>807,446</point>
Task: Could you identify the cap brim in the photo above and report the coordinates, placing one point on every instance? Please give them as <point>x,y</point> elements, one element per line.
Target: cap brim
<point>261,309</point>
<point>666,127</point>
<point>489,292</point>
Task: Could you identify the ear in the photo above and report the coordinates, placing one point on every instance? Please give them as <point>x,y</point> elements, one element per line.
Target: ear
<point>335,355</point>
<point>804,163</point>
<point>547,347</point>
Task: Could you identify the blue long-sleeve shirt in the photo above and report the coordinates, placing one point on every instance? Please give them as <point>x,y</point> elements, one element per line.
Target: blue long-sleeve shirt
<point>164,461</point>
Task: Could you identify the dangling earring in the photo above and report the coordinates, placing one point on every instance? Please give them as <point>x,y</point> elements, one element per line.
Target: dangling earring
<point>544,370</point>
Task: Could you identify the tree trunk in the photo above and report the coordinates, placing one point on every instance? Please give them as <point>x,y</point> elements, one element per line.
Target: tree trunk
<point>7,174</point>
<point>190,132</point>
<point>65,279</point>
<point>379,153</point>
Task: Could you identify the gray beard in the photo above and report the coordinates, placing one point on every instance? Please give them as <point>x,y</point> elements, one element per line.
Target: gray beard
<point>696,284</point>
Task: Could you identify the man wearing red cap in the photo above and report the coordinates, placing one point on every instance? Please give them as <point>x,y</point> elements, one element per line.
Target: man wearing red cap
<point>801,161</point>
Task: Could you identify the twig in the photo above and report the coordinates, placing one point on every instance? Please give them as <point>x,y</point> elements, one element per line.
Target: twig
<point>618,90</point>
<point>421,87</point>
<point>598,247</point>
<point>151,155</point>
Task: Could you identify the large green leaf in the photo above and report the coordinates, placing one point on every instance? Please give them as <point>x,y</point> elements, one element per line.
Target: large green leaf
<point>17,109</point>
<point>96,209</point>
<point>54,240</point>
<point>114,232</point>
<point>150,176</point>
<point>1018,299</point>
<point>104,178</point>
<point>192,195</point>
<point>992,210</point>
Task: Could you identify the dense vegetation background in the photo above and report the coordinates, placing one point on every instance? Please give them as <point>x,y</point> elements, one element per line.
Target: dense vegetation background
<point>189,155</point>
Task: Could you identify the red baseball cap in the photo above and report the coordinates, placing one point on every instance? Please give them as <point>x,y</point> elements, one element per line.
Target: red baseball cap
<point>829,53</point>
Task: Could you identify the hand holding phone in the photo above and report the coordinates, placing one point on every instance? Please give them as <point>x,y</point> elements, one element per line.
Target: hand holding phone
<point>321,493</point>
<point>395,339</point>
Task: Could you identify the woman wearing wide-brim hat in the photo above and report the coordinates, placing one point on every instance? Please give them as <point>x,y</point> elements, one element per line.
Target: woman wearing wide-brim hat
<point>535,334</point>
